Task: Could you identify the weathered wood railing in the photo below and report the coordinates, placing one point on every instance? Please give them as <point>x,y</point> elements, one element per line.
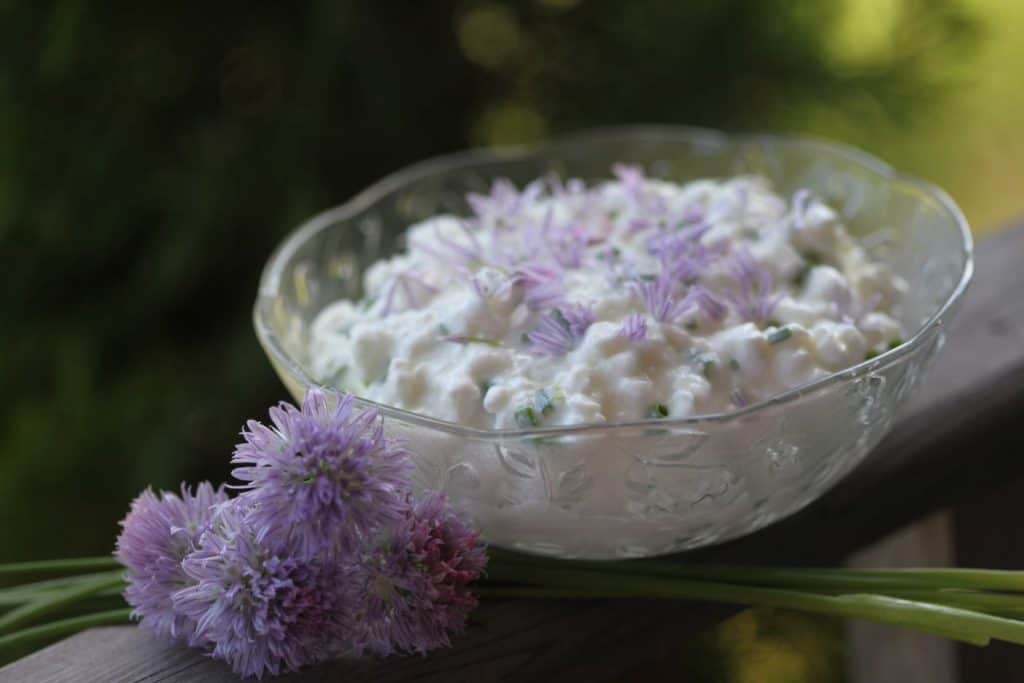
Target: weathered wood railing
<point>951,446</point>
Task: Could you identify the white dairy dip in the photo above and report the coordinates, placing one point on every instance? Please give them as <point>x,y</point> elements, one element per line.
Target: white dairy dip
<point>635,298</point>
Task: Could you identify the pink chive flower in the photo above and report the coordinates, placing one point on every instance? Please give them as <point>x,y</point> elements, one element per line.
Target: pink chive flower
<point>414,580</point>
<point>156,535</point>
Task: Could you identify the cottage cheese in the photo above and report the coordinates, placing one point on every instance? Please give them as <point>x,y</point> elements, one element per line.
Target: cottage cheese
<point>635,298</point>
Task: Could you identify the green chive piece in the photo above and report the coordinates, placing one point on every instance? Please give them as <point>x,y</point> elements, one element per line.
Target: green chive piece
<point>443,330</point>
<point>659,410</point>
<point>870,354</point>
<point>893,343</point>
<point>813,258</point>
<point>485,386</point>
<point>526,417</point>
<point>734,364</point>
<point>543,402</point>
<point>778,336</point>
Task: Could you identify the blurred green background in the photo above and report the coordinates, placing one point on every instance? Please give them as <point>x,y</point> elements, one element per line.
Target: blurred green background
<point>151,156</point>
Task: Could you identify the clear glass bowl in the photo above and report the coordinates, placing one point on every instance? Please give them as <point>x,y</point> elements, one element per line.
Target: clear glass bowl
<point>651,487</point>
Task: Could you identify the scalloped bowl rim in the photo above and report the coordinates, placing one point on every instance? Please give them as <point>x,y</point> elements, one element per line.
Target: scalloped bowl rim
<point>270,278</point>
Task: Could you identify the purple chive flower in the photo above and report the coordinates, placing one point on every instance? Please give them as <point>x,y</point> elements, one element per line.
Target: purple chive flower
<point>631,176</point>
<point>573,187</point>
<point>560,330</point>
<point>710,305</point>
<point>260,603</point>
<point>569,246</point>
<point>634,328</point>
<point>542,286</point>
<point>504,201</point>
<point>449,250</point>
<point>658,296</point>
<point>322,475</point>
<point>415,581</point>
<point>653,212</point>
<point>413,289</point>
<point>754,299</point>
<point>682,254</point>
<point>158,532</point>
<point>660,299</point>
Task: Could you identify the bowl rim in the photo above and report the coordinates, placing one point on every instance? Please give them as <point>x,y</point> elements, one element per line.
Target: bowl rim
<point>271,274</point>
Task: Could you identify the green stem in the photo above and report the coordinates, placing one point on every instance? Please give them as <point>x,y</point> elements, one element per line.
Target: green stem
<point>51,602</point>
<point>1002,604</point>
<point>64,627</point>
<point>803,578</point>
<point>947,621</point>
<point>72,564</point>
<point>26,592</point>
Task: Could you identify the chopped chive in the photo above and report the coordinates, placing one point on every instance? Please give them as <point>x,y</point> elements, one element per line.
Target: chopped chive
<point>894,342</point>
<point>658,410</point>
<point>734,364</point>
<point>800,279</point>
<point>813,258</point>
<point>773,323</point>
<point>778,336</point>
<point>704,361</point>
<point>543,402</point>
<point>691,326</point>
<point>443,330</point>
<point>466,339</point>
<point>526,417</point>
<point>870,354</point>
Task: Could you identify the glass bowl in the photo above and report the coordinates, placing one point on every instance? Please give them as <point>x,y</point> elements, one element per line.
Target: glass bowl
<point>649,487</point>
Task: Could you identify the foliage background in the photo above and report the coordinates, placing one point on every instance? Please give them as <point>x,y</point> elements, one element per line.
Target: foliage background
<point>151,156</point>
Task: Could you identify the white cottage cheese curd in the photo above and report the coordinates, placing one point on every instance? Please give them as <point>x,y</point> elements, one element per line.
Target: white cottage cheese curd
<point>636,298</point>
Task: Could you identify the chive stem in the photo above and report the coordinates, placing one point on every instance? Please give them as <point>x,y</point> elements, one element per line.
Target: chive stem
<point>951,622</point>
<point>64,627</point>
<point>63,565</point>
<point>50,602</point>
